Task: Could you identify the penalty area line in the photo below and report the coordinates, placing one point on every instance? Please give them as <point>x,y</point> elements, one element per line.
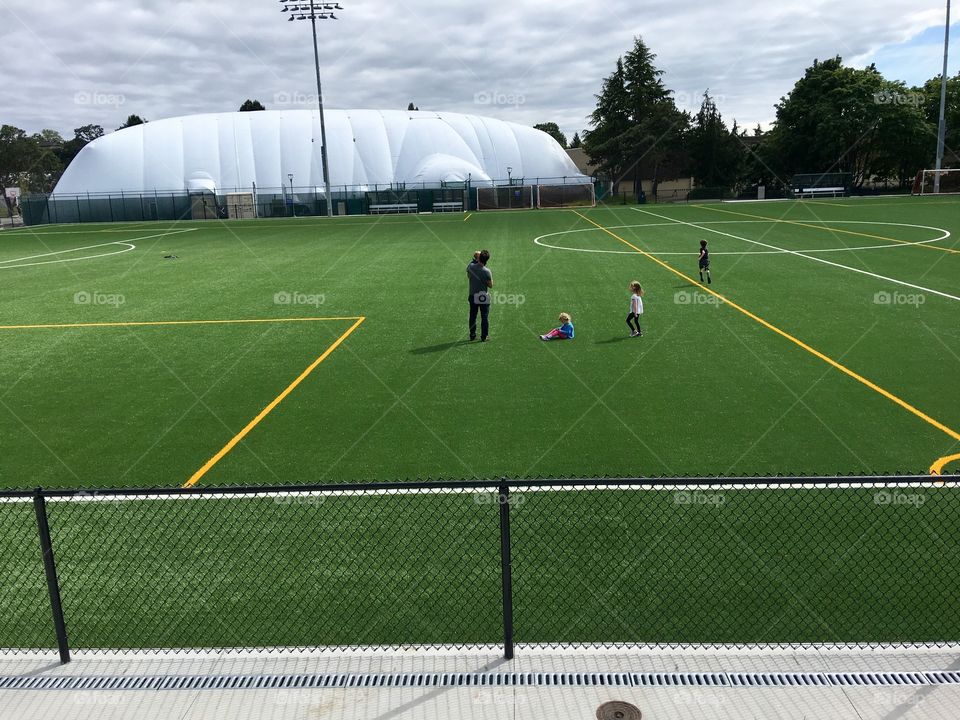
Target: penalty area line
<point>195,478</point>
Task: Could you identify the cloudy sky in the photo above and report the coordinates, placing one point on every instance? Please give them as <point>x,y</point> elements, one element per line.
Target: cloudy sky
<point>69,63</point>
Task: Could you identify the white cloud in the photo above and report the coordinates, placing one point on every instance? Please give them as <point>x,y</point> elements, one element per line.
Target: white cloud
<point>534,60</point>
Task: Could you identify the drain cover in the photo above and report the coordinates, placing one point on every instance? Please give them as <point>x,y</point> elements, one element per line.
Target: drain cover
<point>618,710</point>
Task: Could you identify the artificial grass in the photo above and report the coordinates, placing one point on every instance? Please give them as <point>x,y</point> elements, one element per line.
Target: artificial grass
<point>707,391</point>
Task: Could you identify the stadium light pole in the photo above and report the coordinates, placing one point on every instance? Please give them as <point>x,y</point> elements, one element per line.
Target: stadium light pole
<point>942,129</point>
<point>316,11</point>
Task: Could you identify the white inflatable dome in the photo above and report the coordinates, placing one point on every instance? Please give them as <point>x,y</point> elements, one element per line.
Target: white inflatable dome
<point>224,151</point>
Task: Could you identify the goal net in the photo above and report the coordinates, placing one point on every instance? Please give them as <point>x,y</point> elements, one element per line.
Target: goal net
<point>513,197</point>
<point>564,196</point>
<point>926,182</point>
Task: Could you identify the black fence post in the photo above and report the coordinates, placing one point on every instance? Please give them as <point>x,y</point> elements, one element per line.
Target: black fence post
<point>50,569</point>
<point>506,570</point>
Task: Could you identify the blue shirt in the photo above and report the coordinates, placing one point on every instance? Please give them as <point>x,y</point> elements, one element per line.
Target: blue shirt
<point>567,329</point>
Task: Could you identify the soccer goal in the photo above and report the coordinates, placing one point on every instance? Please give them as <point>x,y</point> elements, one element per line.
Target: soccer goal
<point>513,197</point>
<point>926,182</point>
<point>564,196</point>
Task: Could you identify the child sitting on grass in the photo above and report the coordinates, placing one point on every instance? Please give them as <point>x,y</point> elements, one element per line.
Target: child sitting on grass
<point>564,332</point>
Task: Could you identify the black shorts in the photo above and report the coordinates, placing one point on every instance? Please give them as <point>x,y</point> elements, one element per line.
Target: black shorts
<point>704,265</point>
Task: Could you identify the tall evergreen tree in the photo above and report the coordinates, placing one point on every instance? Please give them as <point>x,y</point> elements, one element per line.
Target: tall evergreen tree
<point>716,153</point>
<point>605,142</point>
<point>636,119</point>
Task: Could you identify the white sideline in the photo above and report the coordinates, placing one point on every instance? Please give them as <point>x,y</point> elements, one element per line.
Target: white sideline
<point>800,254</point>
<point>485,496</point>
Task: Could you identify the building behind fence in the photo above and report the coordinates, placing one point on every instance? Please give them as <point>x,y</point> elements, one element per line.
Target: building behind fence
<point>533,563</point>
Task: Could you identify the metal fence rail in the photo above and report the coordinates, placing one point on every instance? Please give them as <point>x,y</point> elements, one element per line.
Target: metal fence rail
<point>269,202</point>
<point>652,562</point>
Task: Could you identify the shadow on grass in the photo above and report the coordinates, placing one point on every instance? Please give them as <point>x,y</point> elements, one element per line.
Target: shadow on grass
<point>442,347</point>
<point>619,338</point>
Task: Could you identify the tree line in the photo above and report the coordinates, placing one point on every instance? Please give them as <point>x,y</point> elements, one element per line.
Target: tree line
<point>835,119</point>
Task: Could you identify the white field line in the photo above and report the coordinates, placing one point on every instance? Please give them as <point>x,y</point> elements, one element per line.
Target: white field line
<point>615,651</point>
<point>484,495</point>
<point>64,252</point>
<point>128,247</point>
<point>808,257</point>
<point>128,243</point>
<point>945,236</point>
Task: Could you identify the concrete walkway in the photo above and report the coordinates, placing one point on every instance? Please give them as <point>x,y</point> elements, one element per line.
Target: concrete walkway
<point>642,678</point>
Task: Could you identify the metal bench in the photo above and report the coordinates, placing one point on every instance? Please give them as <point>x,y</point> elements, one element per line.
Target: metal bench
<point>814,192</point>
<point>448,207</point>
<point>393,208</point>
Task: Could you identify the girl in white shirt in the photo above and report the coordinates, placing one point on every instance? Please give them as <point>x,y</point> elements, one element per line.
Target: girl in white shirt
<point>636,309</point>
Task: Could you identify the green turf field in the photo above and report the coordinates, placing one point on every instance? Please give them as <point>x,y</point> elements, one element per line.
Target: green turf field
<point>830,347</point>
<point>711,389</point>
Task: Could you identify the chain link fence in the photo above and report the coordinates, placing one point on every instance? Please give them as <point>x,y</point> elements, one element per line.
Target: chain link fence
<point>289,201</point>
<point>739,562</point>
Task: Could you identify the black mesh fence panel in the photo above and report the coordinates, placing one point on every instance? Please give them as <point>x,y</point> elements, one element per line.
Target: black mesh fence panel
<point>25,616</point>
<point>626,562</point>
<point>750,565</point>
<point>284,571</point>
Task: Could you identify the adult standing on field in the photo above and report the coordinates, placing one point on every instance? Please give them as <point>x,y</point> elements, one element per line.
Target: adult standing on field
<point>481,281</point>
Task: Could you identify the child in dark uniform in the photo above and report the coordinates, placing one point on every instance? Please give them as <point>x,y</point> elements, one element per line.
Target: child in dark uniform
<point>704,261</point>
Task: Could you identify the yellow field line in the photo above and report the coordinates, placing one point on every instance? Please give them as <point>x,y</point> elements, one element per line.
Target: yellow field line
<point>172,322</point>
<point>833,230</point>
<point>783,333</point>
<point>938,467</point>
<point>269,408</point>
<point>469,215</point>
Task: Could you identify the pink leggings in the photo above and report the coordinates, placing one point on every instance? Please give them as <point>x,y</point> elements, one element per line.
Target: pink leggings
<point>556,334</point>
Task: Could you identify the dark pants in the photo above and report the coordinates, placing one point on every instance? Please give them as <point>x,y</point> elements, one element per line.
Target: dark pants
<point>484,319</point>
<point>631,319</point>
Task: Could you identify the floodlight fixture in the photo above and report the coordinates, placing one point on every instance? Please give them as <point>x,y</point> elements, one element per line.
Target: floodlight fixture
<point>314,11</point>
